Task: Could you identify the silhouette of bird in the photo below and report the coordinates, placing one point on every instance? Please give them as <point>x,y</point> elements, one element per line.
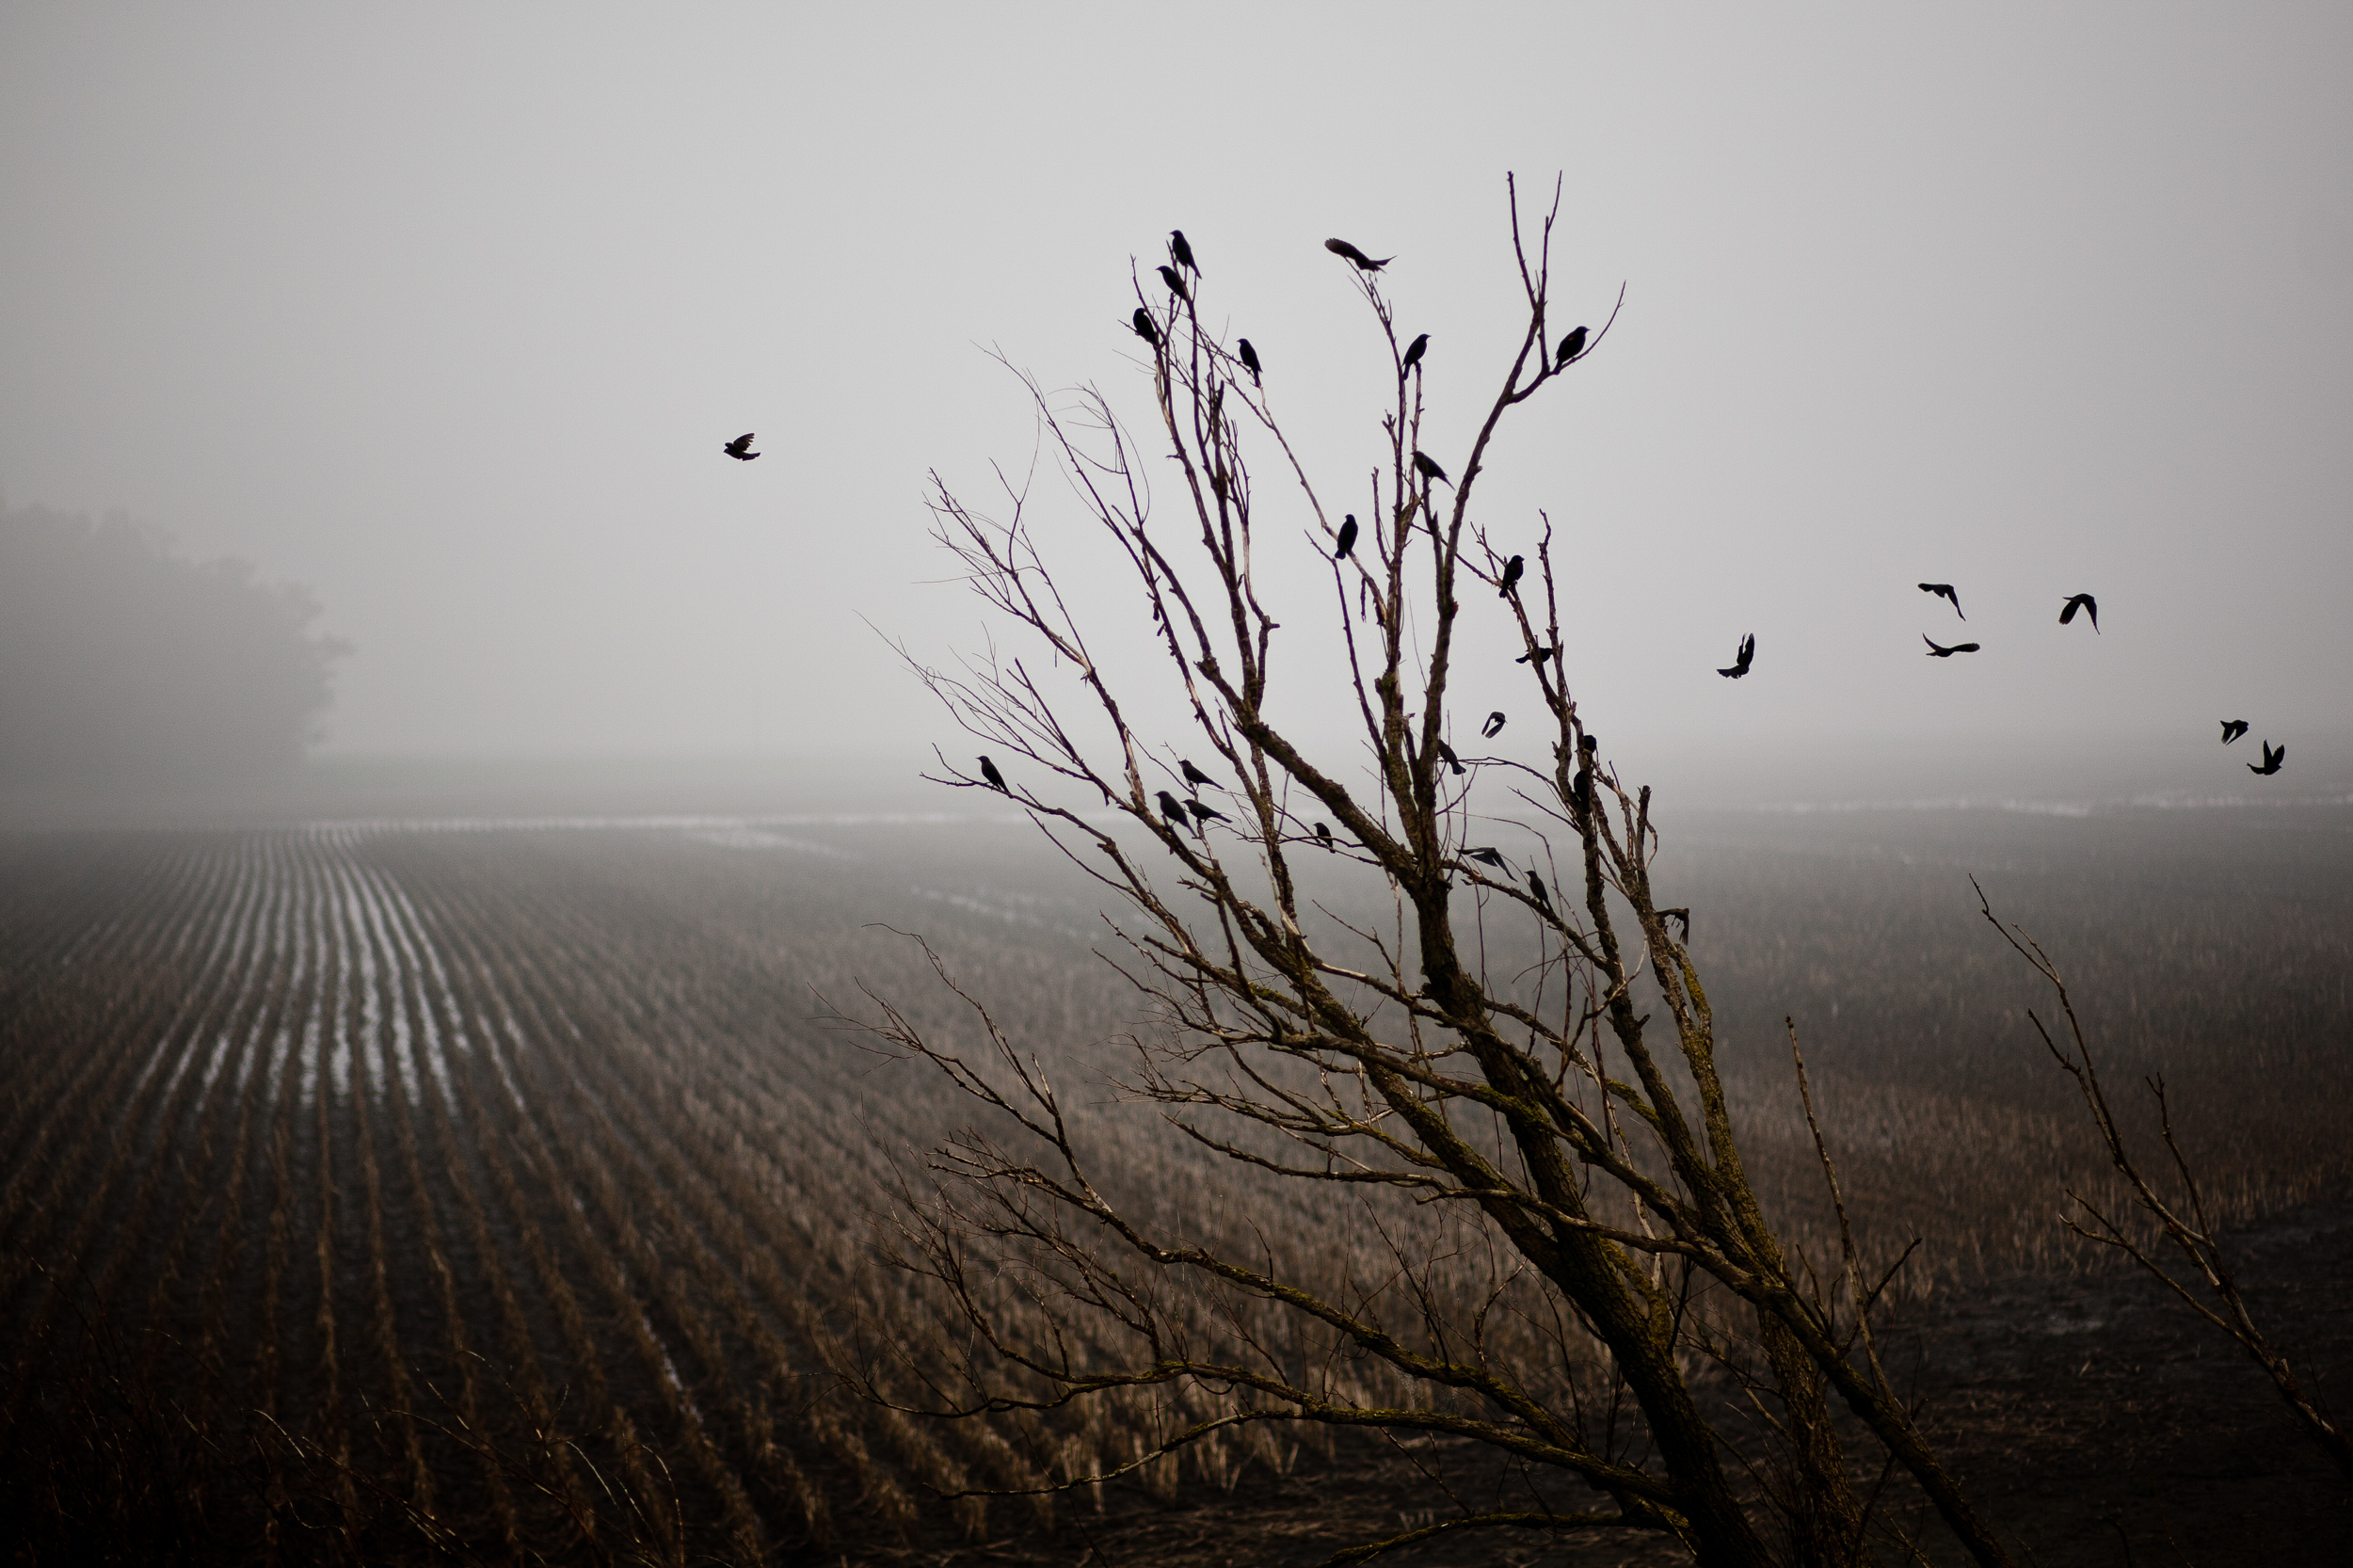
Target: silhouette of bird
<point>1414,350</point>
<point>1581,792</point>
<point>1944,590</point>
<point>1364,262</point>
<point>1590,743</point>
<point>1183,253</point>
<point>1938,650</point>
<point>1513,569</point>
<point>1323,836</point>
<point>1571,346</point>
<point>1742,660</point>
<point>1488,855</point>
<point>1536,886</point>
<point>1494,726</point>
<point>1536,657</point>
<point>1145,329</point>
<point>1176,281</point>
<point>995,779</point>
<point>1196,776</point>
<point>1446,753</point>
<point>2273,756</point>
<point>1173,808</point>
<point>1428,470</point>
<point>1202,814</point>
<point>2084,602</point>
<point>1348,537</point>
<point>2233,729</point>
<point>741,448</point>
<point>1250,363</point>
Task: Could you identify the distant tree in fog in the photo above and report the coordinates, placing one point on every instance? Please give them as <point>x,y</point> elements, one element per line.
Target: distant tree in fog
<point>1533,1230</point>
<point>124,663</point>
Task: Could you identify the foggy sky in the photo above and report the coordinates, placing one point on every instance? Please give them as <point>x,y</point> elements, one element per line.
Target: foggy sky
<point>444,311</point>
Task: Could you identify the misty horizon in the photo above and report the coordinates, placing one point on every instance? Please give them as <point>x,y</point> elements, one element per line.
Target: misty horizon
<point>468,384</point>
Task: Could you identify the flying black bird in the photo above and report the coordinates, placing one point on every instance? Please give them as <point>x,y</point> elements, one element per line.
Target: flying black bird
<point>1938,650</point>
<point>1494,726</point>
<point>1537,658</point>
<point>1145,328</point>
<point>741,448</point>
<point>1742,660</point>
<point>1428,470</point>
<point>1490,856</point>
<point>1944,590</point>
<point>1513,569</point>
<point>1445,754</point>
<point>1571,346</point>
<point>1414,350</point>
<point>1364,262</point>
<point>1348,537</point>
<point>2085,602</point>
<point>1324,836</point>
<point>2273,756</point>
<point>1196,776</point>
<point>1202,814</point>
<point>1183,253</point>
<point>995,779</point>
<point>1536,886</point>
<point>1173,808</point>
<point>2233,729</point>
<point>1176,281</point>
<point>1250,363</point>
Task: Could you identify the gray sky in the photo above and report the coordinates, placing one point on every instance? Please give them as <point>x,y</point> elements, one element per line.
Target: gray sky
<point>445,310</point>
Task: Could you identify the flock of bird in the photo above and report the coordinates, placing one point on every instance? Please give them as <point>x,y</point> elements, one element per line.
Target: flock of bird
<point>1195,814</point>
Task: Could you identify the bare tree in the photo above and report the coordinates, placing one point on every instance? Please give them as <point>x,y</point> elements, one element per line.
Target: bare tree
<point>2175,1207</point>
<point>1564,1254</point>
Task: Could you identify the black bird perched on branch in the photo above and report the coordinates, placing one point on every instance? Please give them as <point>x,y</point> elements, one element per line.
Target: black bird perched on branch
<point>1742,660</point>
<point>1590,743</point>
<point>1196,776</point>
<point>1348,537</point>
<point>1323,836</point>
<point>1428,470</point>
<point>2233,729</point>
<point>1414,351</point>
<point>1582,790</point>
<point>1487,855</point>
<point>1202,814</point>
<point>2084,602</point>
<point>1537,657</point>
<point>995,779</point>
<point>1250,363</point>
<point>2273,756</point>
<point>1536,886</point>
<point>1494,726</point>
<point>1176,281</point>
<point>1513,569</point>
<point>1173,808</point>
<point>1445,754</point>
<point>1944,590</point>
<point>1183,253</point>
<point>741,448</point>
<point>1145,328</point>
<point>1938,650</point>
<point>1571,346</point>
<point>1364,262</point>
